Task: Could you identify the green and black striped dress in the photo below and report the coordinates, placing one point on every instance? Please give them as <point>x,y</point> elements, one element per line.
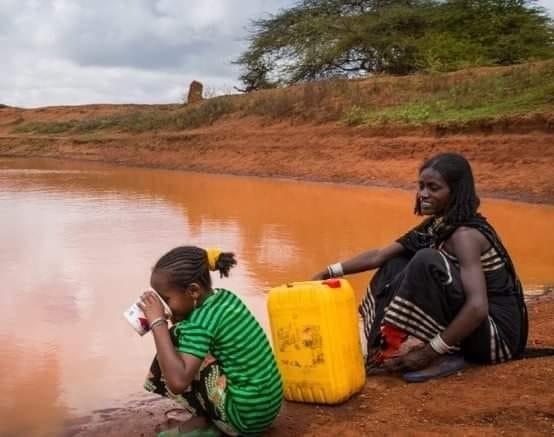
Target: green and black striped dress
<point>226,329</point>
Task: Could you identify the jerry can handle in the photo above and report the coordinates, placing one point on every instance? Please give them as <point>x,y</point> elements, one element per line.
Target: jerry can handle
<point>332,283</point>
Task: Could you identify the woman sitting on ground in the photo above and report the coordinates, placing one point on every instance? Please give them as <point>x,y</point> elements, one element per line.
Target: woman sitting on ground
<point>448,285</point>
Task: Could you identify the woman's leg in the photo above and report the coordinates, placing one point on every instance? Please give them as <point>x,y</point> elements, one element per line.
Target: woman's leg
<point>497,336</point>
<point>427,298</point>
<point>423,300</point>
<point>379,293</point>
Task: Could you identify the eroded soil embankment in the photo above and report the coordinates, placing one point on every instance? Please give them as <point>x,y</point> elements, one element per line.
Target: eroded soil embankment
<point>515,162</point>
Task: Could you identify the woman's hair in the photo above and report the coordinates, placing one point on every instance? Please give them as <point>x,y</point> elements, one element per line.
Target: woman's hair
<point>187,264</point>
<point>463,201</point>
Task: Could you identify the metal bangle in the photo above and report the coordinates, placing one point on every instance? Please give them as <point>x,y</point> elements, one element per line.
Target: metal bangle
<point>157,322</point>
<point>335,270</point>
<point>439,345</point>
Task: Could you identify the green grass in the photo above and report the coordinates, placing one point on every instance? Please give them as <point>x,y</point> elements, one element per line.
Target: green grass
<point>515,91</point>
<point>415,100</point>
<point>186,117</point>
<point>45,128</point>
<point>454,98</point>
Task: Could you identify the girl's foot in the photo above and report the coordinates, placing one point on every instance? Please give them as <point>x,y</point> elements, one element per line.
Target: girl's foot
<point>211,431</point>
<point>177,415</point>
<point>196,426</point>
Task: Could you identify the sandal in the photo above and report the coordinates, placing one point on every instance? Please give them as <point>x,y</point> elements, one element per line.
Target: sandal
<point>443,366</point>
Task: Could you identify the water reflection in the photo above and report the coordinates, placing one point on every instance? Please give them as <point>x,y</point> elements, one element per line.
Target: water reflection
<point>79,241</point>
<point>31,382</point>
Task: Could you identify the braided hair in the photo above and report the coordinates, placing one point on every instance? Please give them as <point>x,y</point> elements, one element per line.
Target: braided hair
<point>463,200</point>
<point>187,264</point>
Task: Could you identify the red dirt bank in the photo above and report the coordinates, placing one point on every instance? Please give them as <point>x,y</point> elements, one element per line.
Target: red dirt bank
<point>511,158</point>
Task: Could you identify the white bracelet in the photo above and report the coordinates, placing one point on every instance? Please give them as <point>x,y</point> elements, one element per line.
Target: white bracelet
<point>440,347</point>
<point>335,270</point>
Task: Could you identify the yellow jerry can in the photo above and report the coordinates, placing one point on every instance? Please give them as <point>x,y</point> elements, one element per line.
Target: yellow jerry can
<point>314,326</point>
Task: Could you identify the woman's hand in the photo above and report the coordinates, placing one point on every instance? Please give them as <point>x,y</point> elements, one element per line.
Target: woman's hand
<point>152,307</point>
<point>414,360</point>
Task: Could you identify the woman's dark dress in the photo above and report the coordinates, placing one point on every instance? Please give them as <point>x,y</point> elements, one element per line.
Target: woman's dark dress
<point>421,292</point>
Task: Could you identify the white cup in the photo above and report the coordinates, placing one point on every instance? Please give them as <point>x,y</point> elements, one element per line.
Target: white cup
<point>136,318</point>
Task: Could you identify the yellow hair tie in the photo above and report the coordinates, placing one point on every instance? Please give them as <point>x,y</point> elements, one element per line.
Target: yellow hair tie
<point>213,255</point>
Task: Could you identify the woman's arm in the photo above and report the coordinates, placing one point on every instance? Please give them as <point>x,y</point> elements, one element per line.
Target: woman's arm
<point>368,260</point>
<point>178,369</point>
<point>467,244</point>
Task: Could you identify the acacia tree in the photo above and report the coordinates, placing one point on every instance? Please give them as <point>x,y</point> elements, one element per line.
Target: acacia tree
<point>318,39</point>
<point>506,31</point>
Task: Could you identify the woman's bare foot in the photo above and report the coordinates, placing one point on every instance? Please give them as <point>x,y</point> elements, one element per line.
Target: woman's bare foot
<point>411,343</point>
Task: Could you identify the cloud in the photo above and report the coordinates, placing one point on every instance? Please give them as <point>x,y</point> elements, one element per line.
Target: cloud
<point>140,51</point>
<point>137,51</point>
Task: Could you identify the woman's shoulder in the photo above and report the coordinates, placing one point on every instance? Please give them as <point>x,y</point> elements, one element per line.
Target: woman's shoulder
<point>464,231</point>
<point>467,236</point>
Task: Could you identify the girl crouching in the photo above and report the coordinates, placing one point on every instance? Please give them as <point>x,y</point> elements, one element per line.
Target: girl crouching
<point>215,360</point>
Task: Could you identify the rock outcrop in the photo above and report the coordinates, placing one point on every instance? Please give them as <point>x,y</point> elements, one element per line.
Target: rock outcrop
<point>195,92</point>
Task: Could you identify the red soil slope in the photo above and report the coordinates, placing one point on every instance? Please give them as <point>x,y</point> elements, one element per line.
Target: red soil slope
<point>511,158</point>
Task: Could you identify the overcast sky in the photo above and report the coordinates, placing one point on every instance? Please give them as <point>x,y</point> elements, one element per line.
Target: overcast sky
<point>70,52</point>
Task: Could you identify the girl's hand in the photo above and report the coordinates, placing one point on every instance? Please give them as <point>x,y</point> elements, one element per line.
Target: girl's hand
<point>152,307</point>
<point>414,360</point>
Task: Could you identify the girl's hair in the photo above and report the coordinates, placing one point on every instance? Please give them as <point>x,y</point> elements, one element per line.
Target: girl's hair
<point>463,201</point>
<point>187,264</point>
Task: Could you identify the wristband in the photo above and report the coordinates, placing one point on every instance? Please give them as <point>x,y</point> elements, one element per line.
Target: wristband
<point>440,347</point>
<point>335,270</point>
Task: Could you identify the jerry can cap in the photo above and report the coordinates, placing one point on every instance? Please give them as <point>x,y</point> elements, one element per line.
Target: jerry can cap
<point>332,283</point>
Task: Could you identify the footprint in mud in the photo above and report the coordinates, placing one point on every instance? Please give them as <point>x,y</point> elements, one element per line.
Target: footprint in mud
<point>106,413</point>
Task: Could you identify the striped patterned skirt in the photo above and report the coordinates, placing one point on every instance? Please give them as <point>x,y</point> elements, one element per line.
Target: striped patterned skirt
<point>422,294</point>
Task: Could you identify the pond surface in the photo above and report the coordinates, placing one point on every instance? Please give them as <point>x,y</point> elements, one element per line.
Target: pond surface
<point>79,240</point>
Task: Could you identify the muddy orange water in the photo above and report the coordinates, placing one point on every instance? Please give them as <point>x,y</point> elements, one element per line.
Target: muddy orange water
<point>78,241</point>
